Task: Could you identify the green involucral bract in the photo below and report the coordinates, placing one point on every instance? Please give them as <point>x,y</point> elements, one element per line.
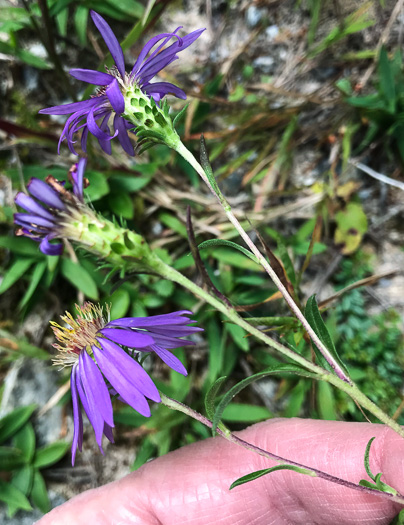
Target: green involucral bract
<point>152,124</point>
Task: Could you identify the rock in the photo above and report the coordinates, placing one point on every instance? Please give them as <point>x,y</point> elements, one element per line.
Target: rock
<point>33,381</point>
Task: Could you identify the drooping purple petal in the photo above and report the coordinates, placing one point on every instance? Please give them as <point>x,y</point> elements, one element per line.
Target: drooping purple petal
<point>176,331</point>
<point>108,433</point>
<point>30,205</point>
<point>92,77</point>
<point>85,388</point>
<point>111,42</point>
<point>128,368</point>
<point>128,337</point>
<point>50,249</point>
<point>25,219</point>
<point>65,109</point>
<point>170,359</point>
<point>164,88</point>
<point>95,130</point>
<point>125,388</point>
<point>78,177</point>
<point>115,96</point>
<point>77,418</point>
<point>44,193</point>
<point>165,57</point>
<point>84,137</point>
<point>120,125</point>
<point>149,46</point>
<point>97,390</point>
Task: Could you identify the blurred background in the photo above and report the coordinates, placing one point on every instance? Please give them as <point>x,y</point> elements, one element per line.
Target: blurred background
<point>301,103</point>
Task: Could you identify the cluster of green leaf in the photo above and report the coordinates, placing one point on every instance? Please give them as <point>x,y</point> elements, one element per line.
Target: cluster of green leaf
<point>20,22</point>
<point>21,463</point>
<point>371,345</point>
<point>383,110</point>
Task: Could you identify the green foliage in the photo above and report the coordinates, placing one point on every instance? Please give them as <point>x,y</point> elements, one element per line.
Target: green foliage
<point>19,456</point>
<point>383,109</point>
<point>259,473</point>
<point>378,484</point>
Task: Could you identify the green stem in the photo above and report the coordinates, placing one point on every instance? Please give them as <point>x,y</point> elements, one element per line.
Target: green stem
<point>126,250</point>
<point>298,467</point>
<point>349,388</point>
<point>187,155</point>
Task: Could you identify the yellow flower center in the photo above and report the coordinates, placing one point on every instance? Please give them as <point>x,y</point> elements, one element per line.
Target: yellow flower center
<point>79,334</point>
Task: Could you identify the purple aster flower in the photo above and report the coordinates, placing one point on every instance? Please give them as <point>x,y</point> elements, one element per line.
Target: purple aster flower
<point>49,208</point>
<point>103,359</point>
<point>117,89</point>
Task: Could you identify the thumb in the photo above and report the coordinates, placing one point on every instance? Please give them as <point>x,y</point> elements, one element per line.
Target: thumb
<point>190,486</point>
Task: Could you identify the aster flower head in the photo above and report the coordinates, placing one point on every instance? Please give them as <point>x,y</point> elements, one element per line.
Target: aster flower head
<point>129,98</point>
<point>50,208</point>
<point>103,355</point>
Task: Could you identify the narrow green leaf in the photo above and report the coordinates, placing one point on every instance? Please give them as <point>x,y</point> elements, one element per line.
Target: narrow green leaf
<point>36,276</point>
<point>120,302</point>
<point>80,22</point>
<point>179,115</point>
<point>230,244</point>
<point>245,413</point>
<point>238,335</point>
<point>51,454</point>
<point>207,168</point>
<point>230,394</point>
<point>10,423</point>
<point>146,451</point>
<point>211,396</point>
<point>24,440</point>
<point>11,458</point>
<point>315,320</point>
<point>39,494</point>
<point>387,85</point>
<point>326,402</point>
<point>23,478</point>
<point>10,494</point>
<point>259,473</point>
<point>366,459</point>
<point>20,245</point>
<point>79,277</point>
<point>15,272</point>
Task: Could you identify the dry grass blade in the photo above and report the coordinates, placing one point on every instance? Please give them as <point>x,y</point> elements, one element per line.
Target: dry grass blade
<point>368,281</point>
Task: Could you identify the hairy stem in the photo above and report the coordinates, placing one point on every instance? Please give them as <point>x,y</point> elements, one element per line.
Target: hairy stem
<point>180,407</point>
<point>187,155</point>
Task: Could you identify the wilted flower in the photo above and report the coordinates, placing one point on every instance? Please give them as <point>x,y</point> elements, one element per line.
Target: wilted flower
<point>103,356</point>
<point>116,86</point>
<point>50,208</point>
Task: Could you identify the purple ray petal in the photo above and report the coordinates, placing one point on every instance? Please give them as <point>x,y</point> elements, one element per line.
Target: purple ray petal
<point>84,137</point>
<point>149,322</point>
<point>164,88</point>
<point>77,418</point>
<point>44,193</point>
<point>95,130</point>
<point>170,342</point>
<point>92,77</point>
<point>170,359</point>
<point>115,96</point>
<point>176,331</point>
<point>129,369</point>
<point>50,249</point>
<point>111,42</point>
<point>65,109</point>
<point>108,433</point>
<point>150,71</point>
<point>120,125</point>
<point>96,387</point>
<point>34,220</point>
<point>149,46</point>
<point>128,337</point>
<point>78,178</point>
<point>125,388</point>
<point>29,204</point>
<point>88,399</point>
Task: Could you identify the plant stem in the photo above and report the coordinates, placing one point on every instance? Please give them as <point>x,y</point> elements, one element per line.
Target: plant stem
<point>188,156</point>
<point>349,388</point>
<point>180,407</point>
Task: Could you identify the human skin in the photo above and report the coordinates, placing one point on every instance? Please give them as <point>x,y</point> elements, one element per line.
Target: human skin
<point>190,486</point>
